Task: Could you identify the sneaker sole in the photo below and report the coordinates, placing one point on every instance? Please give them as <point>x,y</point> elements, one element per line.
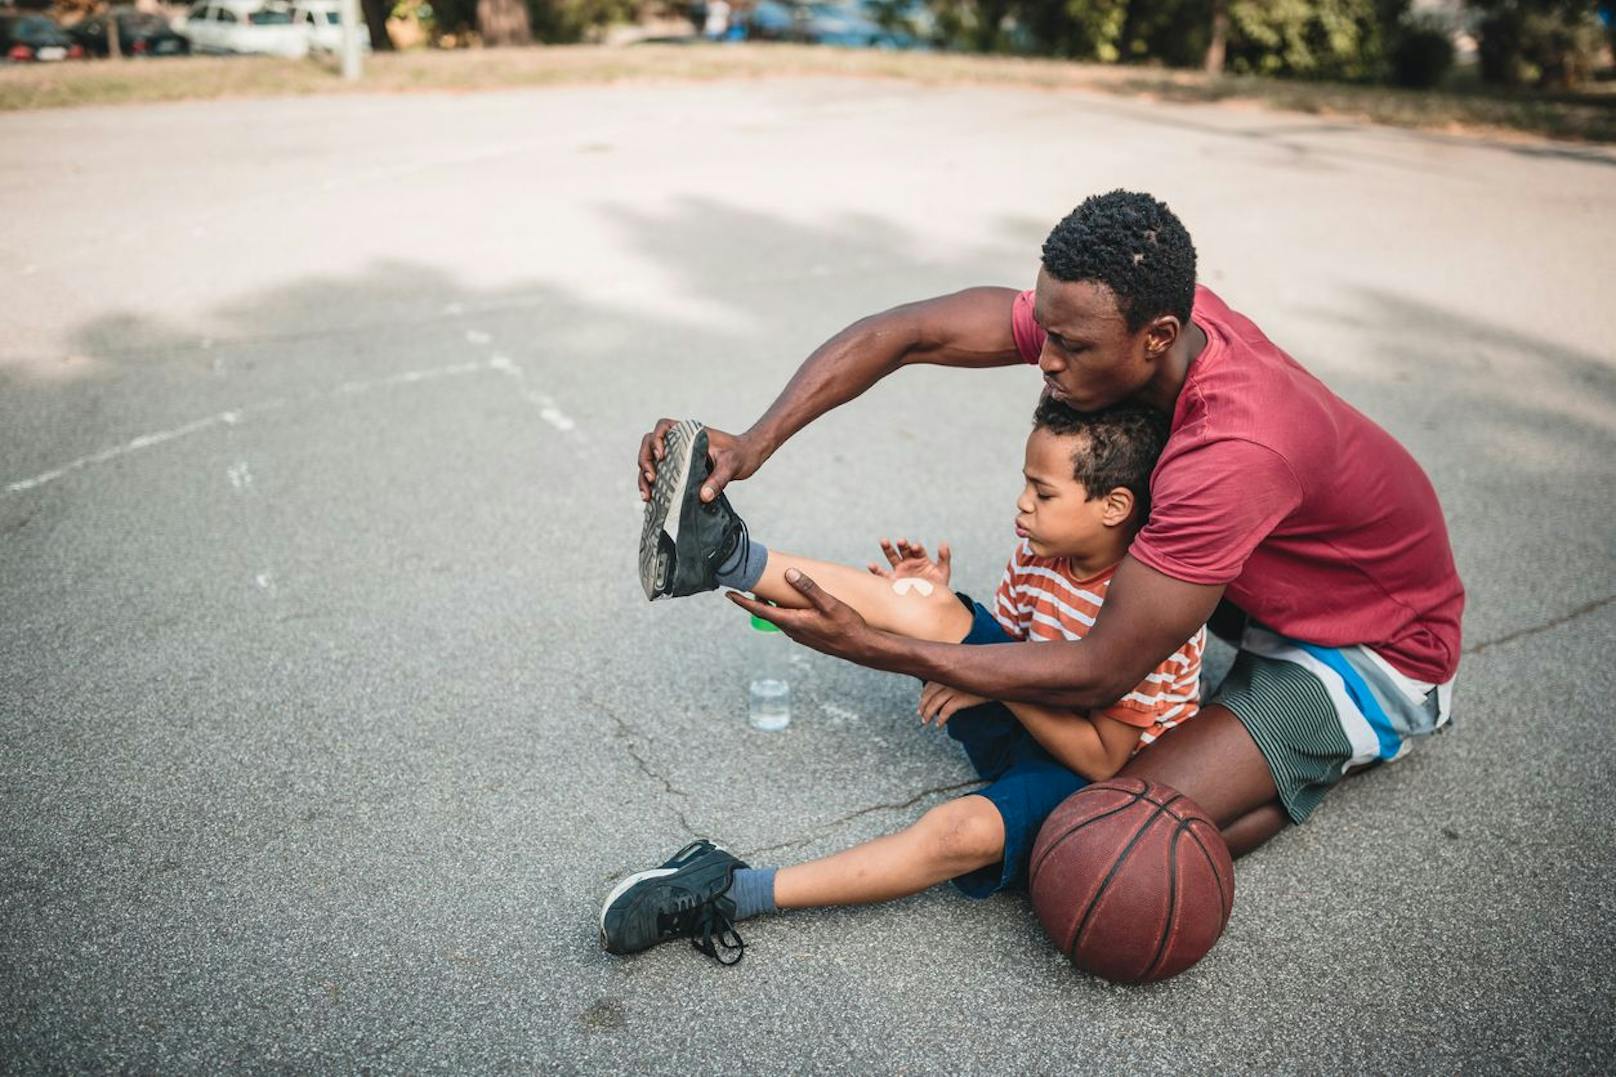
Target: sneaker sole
<point>668,491</point>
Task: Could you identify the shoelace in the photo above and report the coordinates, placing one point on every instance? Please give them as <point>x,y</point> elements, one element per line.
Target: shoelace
<point>728,939</point>
<point>709,928</point>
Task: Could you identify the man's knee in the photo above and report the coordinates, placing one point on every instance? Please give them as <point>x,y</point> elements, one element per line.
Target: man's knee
<point>1212,760</point>
<point>968,832</point>
<point>1255,827</point>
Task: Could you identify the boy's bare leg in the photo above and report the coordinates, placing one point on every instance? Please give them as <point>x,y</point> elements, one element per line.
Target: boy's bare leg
<point>918,609</point>
<point>949,840</point>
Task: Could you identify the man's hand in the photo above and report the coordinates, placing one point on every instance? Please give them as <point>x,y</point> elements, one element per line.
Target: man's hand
<point>828,625</point>
<point>910,561</point>
<point>733,457</point>
<point>939,702</point>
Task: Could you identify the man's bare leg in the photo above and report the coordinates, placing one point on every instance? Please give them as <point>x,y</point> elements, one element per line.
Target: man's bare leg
<point>949,840</point>
<point>1255,827</point>
<point>1215,763</point>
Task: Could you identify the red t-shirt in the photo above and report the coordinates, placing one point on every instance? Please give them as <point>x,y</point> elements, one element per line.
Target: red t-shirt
<point>1321,525</point>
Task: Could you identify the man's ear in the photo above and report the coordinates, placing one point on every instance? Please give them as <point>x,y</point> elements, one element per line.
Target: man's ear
<point>1160,335</point>
<point>1118,507</point>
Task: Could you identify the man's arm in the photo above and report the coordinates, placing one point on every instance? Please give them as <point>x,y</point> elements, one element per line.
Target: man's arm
<point>1146,617</point>
<point>966,329</point>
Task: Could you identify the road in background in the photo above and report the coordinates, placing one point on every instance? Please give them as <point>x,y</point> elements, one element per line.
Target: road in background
<point>332,705</point>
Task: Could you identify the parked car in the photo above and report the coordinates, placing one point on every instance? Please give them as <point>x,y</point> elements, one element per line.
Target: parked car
<point>850,25</point>
<point>263,27</point>
<point>140,33</point>
<point>774,20</point>
<point>28,38</point>
<point>323,21</point>
<point>843,22</point>
<point>911,18</point>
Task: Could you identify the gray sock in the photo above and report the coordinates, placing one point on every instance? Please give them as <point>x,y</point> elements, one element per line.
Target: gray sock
<point>752,890</point>
<point>744,568</point>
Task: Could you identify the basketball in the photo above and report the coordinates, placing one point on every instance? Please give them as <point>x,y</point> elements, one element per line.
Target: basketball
<point>1131,880</point>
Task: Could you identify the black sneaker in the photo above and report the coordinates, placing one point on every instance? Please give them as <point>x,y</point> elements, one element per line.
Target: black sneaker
<point>684,541</point>
<point>684,898</point>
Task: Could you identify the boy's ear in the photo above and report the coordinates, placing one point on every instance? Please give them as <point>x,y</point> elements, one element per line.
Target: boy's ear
<point>1118,507</point>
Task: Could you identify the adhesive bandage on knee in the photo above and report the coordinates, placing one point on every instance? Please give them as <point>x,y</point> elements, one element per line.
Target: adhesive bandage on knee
<point>904,586</point>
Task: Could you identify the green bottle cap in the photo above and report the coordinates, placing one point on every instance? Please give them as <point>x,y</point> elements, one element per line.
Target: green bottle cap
<point>763,626</point>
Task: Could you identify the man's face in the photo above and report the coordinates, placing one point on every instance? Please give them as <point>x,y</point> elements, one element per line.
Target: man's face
<point>1090,359</point>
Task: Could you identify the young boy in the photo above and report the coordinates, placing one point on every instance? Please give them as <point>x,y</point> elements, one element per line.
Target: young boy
<point>1086,492</point>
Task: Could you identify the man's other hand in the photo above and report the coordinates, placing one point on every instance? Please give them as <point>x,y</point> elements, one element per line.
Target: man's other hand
<point>828,625</point>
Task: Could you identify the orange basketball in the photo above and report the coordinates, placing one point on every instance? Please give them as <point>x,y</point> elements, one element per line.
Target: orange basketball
<point>1131,880</point>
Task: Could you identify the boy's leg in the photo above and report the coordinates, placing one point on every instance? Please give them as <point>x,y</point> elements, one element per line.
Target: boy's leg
<point>951,839</point>
<point>703,891</point>
<point>918,609</point>
<point>982,842</point>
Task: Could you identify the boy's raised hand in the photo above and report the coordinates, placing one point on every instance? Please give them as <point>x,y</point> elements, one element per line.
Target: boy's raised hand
<point>909,560</point>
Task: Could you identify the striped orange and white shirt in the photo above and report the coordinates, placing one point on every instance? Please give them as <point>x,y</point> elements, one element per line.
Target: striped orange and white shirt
<point>1041,599</point>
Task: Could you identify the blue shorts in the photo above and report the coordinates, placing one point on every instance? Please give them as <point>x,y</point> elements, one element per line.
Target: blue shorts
<point>1025,782</point>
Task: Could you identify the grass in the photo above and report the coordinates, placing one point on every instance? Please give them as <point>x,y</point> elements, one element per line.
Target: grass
<point>1589,117</point>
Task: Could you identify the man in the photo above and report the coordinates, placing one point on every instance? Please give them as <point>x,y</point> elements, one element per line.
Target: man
<point>1272,493</point>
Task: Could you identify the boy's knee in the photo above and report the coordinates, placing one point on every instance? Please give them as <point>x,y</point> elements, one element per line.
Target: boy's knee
<point>968,832</point>
<point>933,615</point>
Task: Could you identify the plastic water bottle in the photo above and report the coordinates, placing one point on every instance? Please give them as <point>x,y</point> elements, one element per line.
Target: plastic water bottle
<point>769,696</point>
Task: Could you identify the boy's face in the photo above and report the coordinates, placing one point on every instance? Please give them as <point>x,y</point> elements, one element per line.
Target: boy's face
<point>1054,513</point>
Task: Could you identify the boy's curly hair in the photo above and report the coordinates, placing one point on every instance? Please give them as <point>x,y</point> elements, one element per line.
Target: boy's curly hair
<point>1117,446</point>
<point>1132,244</point>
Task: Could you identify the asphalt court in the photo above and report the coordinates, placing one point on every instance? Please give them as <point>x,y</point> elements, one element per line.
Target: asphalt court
<point>332,705</point>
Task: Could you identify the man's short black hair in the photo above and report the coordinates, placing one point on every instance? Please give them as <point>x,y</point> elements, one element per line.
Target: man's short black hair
<point>1119,446</point>
<point>1133,245</point>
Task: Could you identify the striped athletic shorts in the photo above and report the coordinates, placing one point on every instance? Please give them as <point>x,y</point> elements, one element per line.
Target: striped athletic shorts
<point>1318,712</point>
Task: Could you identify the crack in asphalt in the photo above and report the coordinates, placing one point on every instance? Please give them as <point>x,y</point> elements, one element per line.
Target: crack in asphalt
<point>630,737</point>
<point>812,835</point>
<point>841,820</point>
<point>1532,630</point>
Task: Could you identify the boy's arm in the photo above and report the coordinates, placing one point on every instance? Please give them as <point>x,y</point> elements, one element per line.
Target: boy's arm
<point>1094,746</point>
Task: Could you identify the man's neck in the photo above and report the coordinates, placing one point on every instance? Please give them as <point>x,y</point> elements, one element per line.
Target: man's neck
<point>1162,392</point>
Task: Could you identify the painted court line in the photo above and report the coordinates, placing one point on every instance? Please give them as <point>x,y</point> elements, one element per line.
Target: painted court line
<point>549,410</point>
<point>144,441</point>
<point>241,477</point>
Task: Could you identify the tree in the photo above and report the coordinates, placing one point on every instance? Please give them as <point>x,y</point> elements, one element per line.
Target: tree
<point>1217,47</point>
<point>503,22</point>
<point>376,12</point>
<point>1546,43</point>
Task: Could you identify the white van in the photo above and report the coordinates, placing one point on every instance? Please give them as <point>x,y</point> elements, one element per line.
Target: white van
<point>262,27</point>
